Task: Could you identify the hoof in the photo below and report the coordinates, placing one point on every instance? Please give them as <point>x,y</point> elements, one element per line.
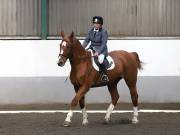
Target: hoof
<point>67,124</point>
<point>135,120</point>
<point>85,123</point>
<point>106,121</point>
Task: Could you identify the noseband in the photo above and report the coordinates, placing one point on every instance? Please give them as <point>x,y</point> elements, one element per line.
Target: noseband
<point>64,57</point>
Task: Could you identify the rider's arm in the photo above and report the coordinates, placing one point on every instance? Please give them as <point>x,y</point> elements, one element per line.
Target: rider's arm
<point>104,41</point>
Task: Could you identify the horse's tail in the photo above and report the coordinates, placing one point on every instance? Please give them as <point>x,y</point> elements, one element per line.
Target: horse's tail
<point>139,62</point>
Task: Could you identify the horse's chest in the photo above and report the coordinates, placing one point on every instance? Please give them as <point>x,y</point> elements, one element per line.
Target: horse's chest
<point>78,73</point>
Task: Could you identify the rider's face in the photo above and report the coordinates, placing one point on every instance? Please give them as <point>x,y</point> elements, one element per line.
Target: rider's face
<point>97,26</point>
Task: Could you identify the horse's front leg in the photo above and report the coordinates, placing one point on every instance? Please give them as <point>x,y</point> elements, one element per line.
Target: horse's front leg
<point>83,107</point>
<point>84,112</point>
<point>80,93</point>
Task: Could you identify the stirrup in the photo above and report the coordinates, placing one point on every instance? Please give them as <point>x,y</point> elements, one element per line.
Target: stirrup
<point>104,78</point>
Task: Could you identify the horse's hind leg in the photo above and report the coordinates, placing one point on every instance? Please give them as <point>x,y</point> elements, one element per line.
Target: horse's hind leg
<point>114,97</point>
<point>134,97</point>
<point>131,83</point>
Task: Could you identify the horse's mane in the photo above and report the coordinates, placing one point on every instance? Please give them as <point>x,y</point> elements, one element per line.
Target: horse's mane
<point>77,42</point>
<point>79,49</point>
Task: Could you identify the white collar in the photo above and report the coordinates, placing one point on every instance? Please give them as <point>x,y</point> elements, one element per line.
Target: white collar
<point>96,30</point>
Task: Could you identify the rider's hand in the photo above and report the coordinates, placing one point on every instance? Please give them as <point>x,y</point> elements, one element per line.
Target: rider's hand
<point>96,54</point>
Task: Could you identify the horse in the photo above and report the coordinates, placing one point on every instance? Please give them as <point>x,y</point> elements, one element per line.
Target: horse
<point>83,76</point>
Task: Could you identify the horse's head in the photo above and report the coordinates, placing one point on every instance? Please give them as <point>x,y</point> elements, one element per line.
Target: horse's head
<point>65,48</point>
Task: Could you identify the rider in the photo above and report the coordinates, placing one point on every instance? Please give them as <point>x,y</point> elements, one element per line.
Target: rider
<point>98,37</point>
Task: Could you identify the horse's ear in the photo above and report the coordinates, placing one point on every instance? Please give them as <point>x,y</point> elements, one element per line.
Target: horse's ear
<point>72,35</point>
<point>62,34</point>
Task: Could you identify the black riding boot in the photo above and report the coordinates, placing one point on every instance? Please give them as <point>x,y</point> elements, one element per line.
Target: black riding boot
<point>103,72</point>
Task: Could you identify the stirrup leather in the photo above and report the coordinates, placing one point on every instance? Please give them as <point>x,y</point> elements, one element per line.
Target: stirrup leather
<point>104,78</point>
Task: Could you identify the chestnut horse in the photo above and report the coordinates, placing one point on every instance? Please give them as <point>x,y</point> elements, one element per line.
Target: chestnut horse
<point>83,76</point>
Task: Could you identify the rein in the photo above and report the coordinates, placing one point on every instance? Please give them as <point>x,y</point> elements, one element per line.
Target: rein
<point>86,57</point>
<point>64,56</point>
<point>79,57</point>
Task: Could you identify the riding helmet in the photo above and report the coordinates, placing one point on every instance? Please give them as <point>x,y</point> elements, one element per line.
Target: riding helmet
<point>98,20</point>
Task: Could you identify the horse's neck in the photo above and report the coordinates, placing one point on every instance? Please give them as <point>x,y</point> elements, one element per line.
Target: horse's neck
<point>78,52</point>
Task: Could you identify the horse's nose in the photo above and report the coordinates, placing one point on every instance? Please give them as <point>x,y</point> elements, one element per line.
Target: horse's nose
<point>60,63</point>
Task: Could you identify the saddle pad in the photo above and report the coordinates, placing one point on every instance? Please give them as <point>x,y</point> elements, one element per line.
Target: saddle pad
<point>109,59</point>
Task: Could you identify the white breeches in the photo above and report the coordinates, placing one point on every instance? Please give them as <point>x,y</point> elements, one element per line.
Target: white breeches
<point>101,58</point>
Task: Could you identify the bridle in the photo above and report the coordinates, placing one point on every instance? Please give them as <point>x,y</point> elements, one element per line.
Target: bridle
<point>63,57</point>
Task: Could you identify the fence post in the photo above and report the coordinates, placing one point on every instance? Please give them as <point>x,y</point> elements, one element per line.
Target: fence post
<point>43,19</point>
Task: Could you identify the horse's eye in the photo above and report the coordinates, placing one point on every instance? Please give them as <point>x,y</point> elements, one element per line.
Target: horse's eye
<point>68,46</point>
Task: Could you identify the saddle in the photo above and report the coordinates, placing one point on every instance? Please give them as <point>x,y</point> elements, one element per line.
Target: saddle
<point>109,62</point>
